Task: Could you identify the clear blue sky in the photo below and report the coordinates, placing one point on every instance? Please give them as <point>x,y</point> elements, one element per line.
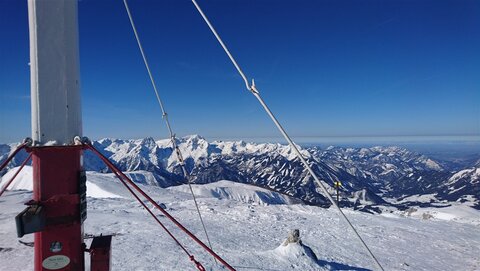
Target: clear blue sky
<point>326,68</point>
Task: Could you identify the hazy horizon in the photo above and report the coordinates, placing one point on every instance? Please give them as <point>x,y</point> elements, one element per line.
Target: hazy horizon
<point>341,68</point>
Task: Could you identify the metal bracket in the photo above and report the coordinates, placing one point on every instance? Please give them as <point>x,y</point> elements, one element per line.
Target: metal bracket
<point>30,220</point>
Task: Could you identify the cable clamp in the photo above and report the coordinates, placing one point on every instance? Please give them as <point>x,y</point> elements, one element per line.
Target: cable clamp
<point>253,88</point>
<point>86,140</point>
<point>78,140</point>
<point>28,142</point>
<point>173,138</point>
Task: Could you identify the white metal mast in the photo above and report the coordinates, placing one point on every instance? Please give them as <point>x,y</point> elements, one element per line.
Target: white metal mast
<point>54,65</point>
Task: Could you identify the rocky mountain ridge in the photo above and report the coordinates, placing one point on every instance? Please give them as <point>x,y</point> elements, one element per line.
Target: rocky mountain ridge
<point>376,176</point>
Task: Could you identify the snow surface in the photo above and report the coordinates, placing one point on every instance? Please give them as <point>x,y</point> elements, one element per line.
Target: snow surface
<point>425,198</point>
<point>237,192</point>
<point>249,234</point>
<point>23,181</point>
<point>473,172</point>
<point>460,213</point>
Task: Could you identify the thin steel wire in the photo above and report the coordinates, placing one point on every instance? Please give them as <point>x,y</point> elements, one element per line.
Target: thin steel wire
<point>169,127</point>
<point>255,92</point>
<point>15,175</point>
<point>163,211</point>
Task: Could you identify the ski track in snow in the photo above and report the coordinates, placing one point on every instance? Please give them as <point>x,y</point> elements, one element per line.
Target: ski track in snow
<point>248,233</point>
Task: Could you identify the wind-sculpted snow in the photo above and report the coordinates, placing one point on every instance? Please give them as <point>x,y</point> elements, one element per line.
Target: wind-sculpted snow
<point>227,190</point>
<point>369,176</point>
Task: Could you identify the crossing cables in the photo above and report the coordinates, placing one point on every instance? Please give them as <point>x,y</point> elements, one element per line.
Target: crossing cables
<point>127,182</point>
<point>252,88</point>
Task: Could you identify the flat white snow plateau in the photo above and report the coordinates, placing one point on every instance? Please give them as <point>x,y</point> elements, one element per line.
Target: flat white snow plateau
<point>247,227</point>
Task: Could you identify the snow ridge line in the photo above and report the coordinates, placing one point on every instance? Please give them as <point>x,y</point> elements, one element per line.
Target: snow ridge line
<point>15,175</point>
<point>17,150</point>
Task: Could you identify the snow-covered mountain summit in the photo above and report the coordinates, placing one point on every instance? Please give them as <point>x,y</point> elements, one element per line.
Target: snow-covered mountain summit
<point>369,176</point>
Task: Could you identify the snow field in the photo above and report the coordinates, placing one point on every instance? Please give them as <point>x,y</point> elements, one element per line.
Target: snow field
<point>248,233</point>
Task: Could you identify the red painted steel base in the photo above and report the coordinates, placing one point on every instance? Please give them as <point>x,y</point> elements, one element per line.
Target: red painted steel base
<point>56,186</point>
<point>100,253</point>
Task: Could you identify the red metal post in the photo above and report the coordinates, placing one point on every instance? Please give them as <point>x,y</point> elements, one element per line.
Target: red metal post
<point>56,187</point>
<point>100,253</point>
<point>58,181</point>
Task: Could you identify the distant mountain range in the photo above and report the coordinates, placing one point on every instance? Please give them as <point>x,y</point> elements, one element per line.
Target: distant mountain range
<point>372,178</point>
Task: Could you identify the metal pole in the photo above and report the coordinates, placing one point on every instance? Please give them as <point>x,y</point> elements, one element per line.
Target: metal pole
<point>58,182</point>
<point>337,194</point>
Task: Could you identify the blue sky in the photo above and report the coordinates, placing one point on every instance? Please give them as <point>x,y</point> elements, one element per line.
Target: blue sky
<point>326,68</point>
